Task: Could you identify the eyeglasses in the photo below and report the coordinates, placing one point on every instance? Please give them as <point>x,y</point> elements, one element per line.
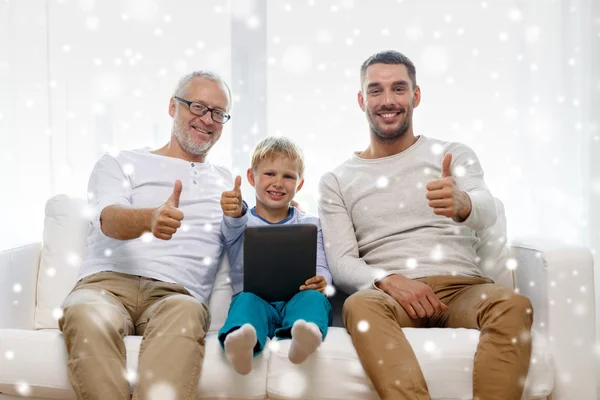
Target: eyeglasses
<point>200,109</point>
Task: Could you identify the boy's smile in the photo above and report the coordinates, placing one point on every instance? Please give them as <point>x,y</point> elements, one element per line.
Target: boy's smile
<point>276,182</point>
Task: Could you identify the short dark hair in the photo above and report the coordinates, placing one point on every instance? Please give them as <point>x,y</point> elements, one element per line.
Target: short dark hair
<point>389,57</point>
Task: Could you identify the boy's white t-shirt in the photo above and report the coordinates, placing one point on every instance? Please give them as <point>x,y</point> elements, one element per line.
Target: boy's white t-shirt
<point>141,179</point>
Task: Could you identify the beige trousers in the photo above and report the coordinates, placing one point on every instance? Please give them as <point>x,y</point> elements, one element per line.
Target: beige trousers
<point>105,307</point>
<point>503,317</point>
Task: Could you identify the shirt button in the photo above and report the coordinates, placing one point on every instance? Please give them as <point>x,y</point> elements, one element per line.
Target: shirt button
<point>194,182</point>
<point>192,164</point>
<point>195,172</point>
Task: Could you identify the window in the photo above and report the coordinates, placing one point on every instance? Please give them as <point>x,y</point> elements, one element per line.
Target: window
<point>516,83</point>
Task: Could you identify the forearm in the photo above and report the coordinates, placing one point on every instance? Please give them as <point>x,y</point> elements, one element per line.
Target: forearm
<point>325,273</point>
<point>233,228</point>
<point>480,202</point>
<point>350,272</point>
<point>351,275</point>
<point>236,268</point>
<point>465,209</point>
<point>125,223</point>
<point>482,213</point>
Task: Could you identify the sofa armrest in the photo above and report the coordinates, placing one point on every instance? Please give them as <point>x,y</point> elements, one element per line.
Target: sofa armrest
<point>558,278</point>
<point>18,282</point>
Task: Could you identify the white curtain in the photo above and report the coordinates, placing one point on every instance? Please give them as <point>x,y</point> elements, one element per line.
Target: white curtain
<point>79,78</point>
<point>512,79</point>
<point>518,81</point>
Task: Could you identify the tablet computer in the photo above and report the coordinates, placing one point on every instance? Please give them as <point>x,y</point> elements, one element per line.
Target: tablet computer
<point>278,259</point>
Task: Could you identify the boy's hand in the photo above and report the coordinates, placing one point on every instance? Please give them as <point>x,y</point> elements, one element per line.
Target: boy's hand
<point>231,201</point>
<point>316,282</point>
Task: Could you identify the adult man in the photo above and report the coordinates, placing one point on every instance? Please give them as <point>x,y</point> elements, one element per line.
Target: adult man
<point>152,256</point>
<point>399,222</point>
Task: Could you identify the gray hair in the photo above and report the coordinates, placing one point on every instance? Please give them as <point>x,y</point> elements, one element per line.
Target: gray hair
<point>186,79</point>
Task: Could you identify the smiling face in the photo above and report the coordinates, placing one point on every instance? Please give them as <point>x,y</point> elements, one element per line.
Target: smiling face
<point>388,100</point>
<point>276,181</point>
<point>196,135</point>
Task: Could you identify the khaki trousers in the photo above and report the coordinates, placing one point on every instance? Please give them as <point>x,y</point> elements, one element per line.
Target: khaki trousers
<point>105,307</point>
<point>503,317</point>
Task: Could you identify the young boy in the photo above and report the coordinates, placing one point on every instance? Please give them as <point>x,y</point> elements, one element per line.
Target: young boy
<point>276,172</point>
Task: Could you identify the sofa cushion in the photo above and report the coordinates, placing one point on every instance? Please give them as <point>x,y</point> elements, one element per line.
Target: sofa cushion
<point>63,250</point>
<point>333,372</point>
<point>48,379</point>
<point>445,356</point>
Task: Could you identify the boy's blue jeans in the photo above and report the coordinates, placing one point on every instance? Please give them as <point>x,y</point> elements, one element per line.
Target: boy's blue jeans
<point>277,318</point>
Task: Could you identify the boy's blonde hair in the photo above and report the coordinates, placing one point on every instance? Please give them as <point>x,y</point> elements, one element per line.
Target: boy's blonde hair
<point>274,146</point>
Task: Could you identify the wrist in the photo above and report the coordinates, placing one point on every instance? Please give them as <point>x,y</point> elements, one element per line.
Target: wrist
<point>383,283</point>
<point>148,218</point>
<point>465,211</point>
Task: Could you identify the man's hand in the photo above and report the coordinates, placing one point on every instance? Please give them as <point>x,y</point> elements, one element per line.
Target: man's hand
<point>445,197</point>
<point>167,218</point>
<point>417,299</point>
<point>316,282</point>
<point>231,201</point>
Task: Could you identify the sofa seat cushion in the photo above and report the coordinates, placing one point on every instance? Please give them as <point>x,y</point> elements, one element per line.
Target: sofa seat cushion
<point>37,365</point>
<point>35,361</point>
<point>445,356</point>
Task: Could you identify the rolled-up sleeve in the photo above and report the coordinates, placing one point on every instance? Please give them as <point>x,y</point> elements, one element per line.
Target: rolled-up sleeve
<point>108,185</point>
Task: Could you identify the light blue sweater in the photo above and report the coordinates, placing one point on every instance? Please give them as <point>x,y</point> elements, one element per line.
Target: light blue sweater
<point>233,233</point>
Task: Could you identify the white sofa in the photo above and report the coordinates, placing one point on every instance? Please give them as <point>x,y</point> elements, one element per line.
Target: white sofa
<point>34,279</point>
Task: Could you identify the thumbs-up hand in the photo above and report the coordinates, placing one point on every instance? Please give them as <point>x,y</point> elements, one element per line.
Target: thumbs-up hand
<point>445,197</point>
<point>174,198</point>
<point>231,201</point>
<point>167,218</point>
<point>446,162</point>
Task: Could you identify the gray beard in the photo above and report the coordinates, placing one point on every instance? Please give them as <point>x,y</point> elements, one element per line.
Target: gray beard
<point>189,146</point>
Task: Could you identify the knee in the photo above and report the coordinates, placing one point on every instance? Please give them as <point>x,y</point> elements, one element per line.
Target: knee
<point>515,302</point>
<point>245,300</point>
<point>188,316</point>
<point>312,295</point>
<point>361,302</point>
<point>521,305</point>
<point>247,297</point>
<point>314,298</point>
<point>90,315</point>
<point>186,306</point>
<point>515,306</point>
<point>93,320</point>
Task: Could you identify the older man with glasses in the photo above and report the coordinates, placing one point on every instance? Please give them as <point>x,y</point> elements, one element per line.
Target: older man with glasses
<point>152,257</point>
